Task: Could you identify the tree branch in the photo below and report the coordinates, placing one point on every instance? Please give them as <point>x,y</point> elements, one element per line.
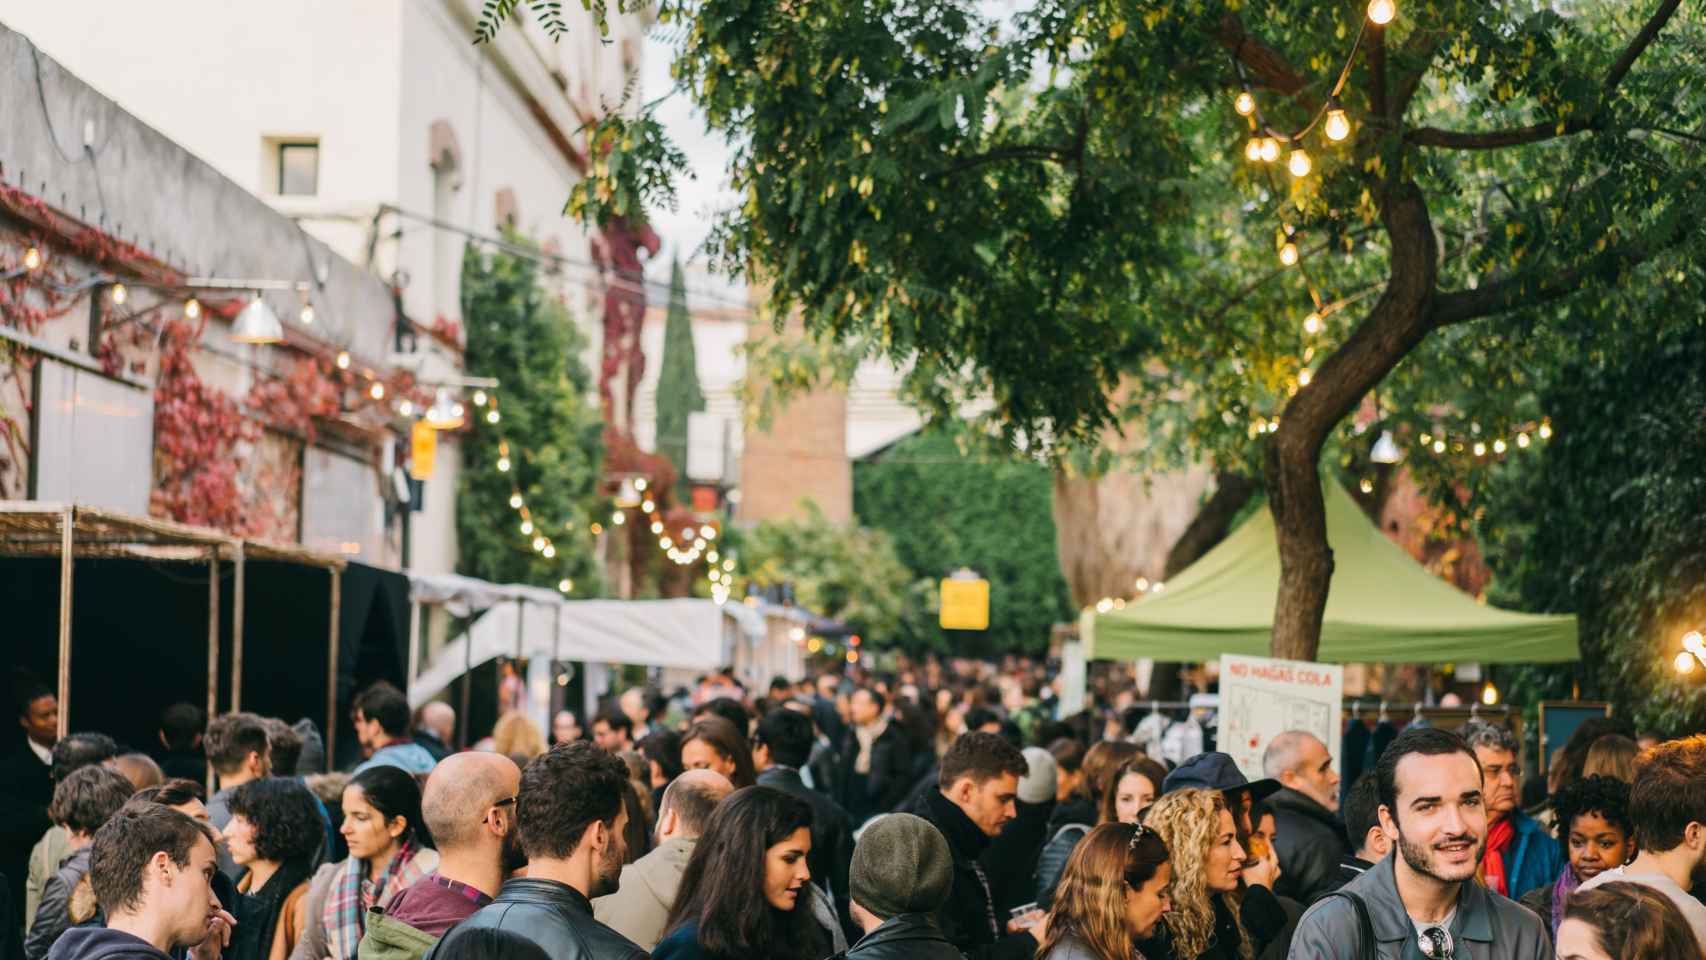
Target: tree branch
<point>999,154</point>
<point>1534,133</point>
<point>1266,64</point>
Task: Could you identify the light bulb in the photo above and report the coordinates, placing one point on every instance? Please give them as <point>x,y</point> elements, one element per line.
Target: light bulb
<point>565,585</point>
<point>1489,694</point>
<point>1288,253</point>
<point>119,293</point>
<point>1270,149</point>
<point>729,564</point>
<point>596,528</point>
<point>503,464</point>
<point>1522,440</point>
<point>1439,446</point>
<point>1303,378</point>
<point>1312,323</point>
<point>456,411</point>
<point>618,518</point>
<point>1545,431</point>
<point>1480,449</point>
<point>549,551</point>
<point>708,532</point>
<point>657,526</point>
<point>1381,12</point>
<point>306,315</point>
<point>526,527</point>
<point>1693,642</point>
<point>1244,104</point>
<point>665,543</point>
<point>1685,662</point>
<point>1498,446</point>
<point>1298,163</point>
<point>492,416</point>
<point>32,259</point>
<point>640,484</point>
<point>343,361</point>
<point>406,408</point>
<point>377,391</point>
<point>1338,126</point>
<point>479,398</point>
<point>192,309</point>
<point>515,503</point>
<point>538,543</point>
<point>1367,485</point>
<point>712,556</point>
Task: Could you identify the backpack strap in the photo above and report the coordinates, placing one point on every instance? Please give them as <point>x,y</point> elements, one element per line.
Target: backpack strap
<point>1365,927</point>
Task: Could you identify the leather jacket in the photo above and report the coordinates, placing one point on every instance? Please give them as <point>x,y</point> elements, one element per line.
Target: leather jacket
<point>53,914</point>
<point>535,918</point>
<point>907,936</point>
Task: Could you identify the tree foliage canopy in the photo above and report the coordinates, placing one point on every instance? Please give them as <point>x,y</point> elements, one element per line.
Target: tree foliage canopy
<point>526,338</point>
<point>678,380</point>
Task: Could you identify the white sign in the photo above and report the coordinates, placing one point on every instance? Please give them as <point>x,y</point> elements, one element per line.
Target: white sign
<point>1262,697</point>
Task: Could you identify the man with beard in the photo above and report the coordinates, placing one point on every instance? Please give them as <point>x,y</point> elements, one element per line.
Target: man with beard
<point>1422,901</point>
<point>469,808</point>
<point>1521,855</point>
<point>569,819</point>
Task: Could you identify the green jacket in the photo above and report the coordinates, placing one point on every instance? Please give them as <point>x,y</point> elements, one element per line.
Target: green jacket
<point>390,939</point>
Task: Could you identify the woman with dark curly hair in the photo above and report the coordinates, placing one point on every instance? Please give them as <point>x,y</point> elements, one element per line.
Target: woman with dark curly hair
<point>746,893</point>
<point>1596,835</point>
<point>274,833</point>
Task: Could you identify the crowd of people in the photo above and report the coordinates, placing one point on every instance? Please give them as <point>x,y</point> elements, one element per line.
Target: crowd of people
<point>928,814</point>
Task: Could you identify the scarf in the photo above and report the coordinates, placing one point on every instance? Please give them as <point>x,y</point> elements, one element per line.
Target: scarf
<point>258,911</point>
<point>1566,885</point>
<point>1499,838</point>
<point>345,916</point>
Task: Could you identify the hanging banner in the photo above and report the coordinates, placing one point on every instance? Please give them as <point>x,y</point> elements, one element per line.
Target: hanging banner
<point>423,447</point>
<point>1261,697</point>
<point>965,601</point>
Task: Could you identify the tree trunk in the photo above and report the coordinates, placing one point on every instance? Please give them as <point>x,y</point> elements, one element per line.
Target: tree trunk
<point>1398,322</point>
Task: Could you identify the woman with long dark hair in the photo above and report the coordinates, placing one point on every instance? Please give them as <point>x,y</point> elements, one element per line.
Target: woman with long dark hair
<point>1073,819</point>
<point>389,849</point>
<point>274,834</point>
<point>1624,921</point>
<point>746,893</point>
<point>1114,891</point>
<point>713,743</point>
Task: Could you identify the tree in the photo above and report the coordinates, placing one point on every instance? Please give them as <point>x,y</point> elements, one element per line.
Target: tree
<point>842,571</point>
<point>946,507</point>
<point>678,380</point>
<point>1052,214</point>
<point>552,429</point>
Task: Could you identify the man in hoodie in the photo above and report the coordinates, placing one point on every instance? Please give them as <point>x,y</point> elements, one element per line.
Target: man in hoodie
<point>901,875</point>
<point>646,889</point>
<point>469,808</point>
<point>152,871</point>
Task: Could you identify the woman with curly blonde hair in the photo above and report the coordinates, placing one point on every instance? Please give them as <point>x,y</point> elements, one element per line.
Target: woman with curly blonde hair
<point>1210,919</point>
<point>1113,892</point>
<point>518,738</point>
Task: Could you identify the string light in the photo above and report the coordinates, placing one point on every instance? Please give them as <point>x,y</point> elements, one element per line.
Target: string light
<point>565,585</point>
<point>1270,149</point>
<point>32,259</point>
<point>503,464</point>
<point>515,503</point>
<point>343,360</point>
<point>1367,485</point>
<point>377,391</point>
<point>1480,449</point>
<point>1303,378</point>
<point>1312,324</point>
<point>1299,163</point>
<point>119,293</point>
<point>406,408</point>
<point>1253,150</point>
<point>1499,446</point>
<point>1381,12</point>
<point>1545,430</point>
<point>657,526</point>
<point>1245,104</point>
<point>1288,253</point>
<point>1522,440</point>
<point>526,527</point>
<point>306,315</point>
<point>538,543</point>
<point>640,484</point>
<point>1338,125</point>
<point>492,416</point>
<point>618,518</point>
<point>1439,446</point>
<point>479,398</point>
<point>192,309</point>
<point>549,551</point>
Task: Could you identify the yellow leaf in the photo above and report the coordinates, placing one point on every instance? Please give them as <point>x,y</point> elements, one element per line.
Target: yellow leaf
<point>1116,29</point>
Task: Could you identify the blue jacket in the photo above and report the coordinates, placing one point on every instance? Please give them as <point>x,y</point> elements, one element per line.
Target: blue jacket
<point>408,756</point>
<point>1535,859</point>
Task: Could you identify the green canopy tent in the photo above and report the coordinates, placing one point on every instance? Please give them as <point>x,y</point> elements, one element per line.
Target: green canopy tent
<point>1383,607</point>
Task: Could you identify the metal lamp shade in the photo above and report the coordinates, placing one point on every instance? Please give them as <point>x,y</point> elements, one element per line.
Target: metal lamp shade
<point>257,324</point>
<point>1385,450</point>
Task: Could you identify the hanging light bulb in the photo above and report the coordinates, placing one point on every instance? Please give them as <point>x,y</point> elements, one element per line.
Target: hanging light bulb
<point>306,314</point>
<point>538,543</point>
<point>1545,431</point>
<point>618,518</point>
<point>1499,446</point>
<point>1270,149</point>
<point>1366,486</point>
<point>377,391</point>
<point>1288,253</point>
<point>492,416</point>
<point>1381,12</point>
<point>549,551</point>
<point>119,293</point>
<point>503,464</point>
<point>479,398</point>
<point>1439,446</point>
<point>406,409</point>
<point>1298,163</point>
<point>192,309</point>
<point>1338,125</point>
<point>1303,378</point>
<point>1489,694</point>
<point>1253,150</point>
<point>1244,103</point>
<point>526,527</point>
<point>565,584</point>
<point>32,259</point>
<point>1312,324</point>
<point>343,360</point>
<point>1684,662</point>
<point>657,526</point>
<point>1522,440</point>
<point>1480,449</point>
<point>647,506</point>
<point>515,502</point>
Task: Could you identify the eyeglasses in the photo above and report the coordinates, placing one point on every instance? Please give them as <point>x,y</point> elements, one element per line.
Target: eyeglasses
<point>1435,943</point>
<point>505,802</point>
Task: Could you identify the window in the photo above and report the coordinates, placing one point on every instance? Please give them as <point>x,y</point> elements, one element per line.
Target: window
<point>298,169</point>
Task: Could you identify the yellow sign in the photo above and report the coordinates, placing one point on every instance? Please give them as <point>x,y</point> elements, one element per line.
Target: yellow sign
<point>965,603</point>
<point>424,445</point>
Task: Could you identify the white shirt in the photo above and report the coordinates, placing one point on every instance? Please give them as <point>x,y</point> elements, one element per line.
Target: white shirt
<point>44,754</point>
<point>1423,926</point>
<point>1692,911</point>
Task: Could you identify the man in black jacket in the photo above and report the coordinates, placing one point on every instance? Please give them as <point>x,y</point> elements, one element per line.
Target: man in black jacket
<point>781,744</point>
<point>569,818</point>
<point>876,762</point>
<point>1369,844</point>
<point>980,782</point>
<point>902,872</point>
<point>26,786</point>
<point>1310,838</point>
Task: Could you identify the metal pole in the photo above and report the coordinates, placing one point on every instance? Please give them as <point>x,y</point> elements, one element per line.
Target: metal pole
<point>414,645</point>
<point>467,681</point>
<point>332,672</point>
<point>212,645</point>
<point>237,589</point>
<point>520,623</point>
<point>67,524</point>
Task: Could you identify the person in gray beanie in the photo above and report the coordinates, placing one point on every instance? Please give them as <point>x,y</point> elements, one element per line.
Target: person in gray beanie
<point>901,874</point>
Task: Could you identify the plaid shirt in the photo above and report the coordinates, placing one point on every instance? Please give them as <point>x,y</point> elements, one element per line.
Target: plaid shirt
<point>474,894</point>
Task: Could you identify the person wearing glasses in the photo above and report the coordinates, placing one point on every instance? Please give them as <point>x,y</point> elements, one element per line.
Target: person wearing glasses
<point>1520,855</point>
<point>1115,889</point>
<point>468,806</point>
<point>1423,899</point>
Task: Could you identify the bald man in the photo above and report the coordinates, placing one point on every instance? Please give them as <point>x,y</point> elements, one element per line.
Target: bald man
<point>640,906</point>
<point>468,805</point>
<point>435,728</point>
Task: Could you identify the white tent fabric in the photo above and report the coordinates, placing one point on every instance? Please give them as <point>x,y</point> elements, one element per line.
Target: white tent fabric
<point>463,596</point>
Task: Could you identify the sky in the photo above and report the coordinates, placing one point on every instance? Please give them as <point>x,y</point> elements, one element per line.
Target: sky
<point>684,229</point>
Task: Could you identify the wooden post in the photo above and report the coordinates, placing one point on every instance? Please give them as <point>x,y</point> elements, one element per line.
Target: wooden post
<point>212,645</point>
<point>332,672</point>
<point>237,590</point>
<point>67,526</point>
<point>414,645</point>
<point>467,682</point>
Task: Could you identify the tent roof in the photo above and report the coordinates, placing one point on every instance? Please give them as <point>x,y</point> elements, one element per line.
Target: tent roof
<point>1383,607</point>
